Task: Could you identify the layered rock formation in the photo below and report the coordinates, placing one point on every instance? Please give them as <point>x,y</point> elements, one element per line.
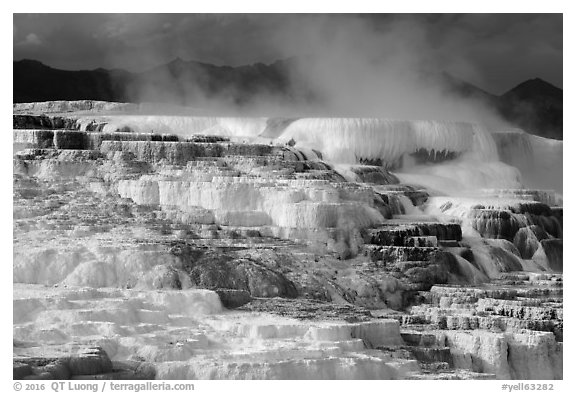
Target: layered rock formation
<point>142,244</point>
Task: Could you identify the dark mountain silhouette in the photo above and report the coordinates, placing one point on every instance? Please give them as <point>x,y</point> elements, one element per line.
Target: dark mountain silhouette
<point>34,81</point>
<point>178,82</point>
<point>534,105</point>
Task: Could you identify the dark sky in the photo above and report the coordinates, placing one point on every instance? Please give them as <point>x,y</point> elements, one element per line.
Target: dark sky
<point>493,51</point>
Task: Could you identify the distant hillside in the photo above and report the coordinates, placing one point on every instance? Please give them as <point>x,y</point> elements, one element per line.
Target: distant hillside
<point>178,82</point>
<point>535,105</point>
<point>34,81</point>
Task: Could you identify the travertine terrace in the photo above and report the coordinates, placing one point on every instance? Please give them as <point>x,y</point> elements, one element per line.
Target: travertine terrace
<point>219,248</point>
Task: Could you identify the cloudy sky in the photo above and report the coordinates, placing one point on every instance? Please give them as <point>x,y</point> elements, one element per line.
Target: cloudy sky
<point>493,51</point>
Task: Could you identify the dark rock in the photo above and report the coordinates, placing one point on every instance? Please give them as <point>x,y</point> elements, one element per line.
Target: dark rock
<point>417,197</point>
<point>494,224</point>
<point>384,208</point>
<point>423,156</point>
<point>41,376</point>
<point>392,254</point>
<point>308,309</point>
<point>422,241</point>
<point>557,212</point>
<point>558,331</point>
<point>465,253</point>
<point>430,275</point>
<point>553,249</point>
<point>163,277</point>
<point>550,224</point>
<point>215,271</point>
<point>58,370</point>
<point>393,202</point>
<point>75,140</point>
<point>146,371</point>
<point>127,369</point>
<point>233,298</point>
<point>43,122</point>
<point>20,370</point>
<point>374,174</point>
<point>93,361</point>
<point>432,355</point>
<point>36,362</point>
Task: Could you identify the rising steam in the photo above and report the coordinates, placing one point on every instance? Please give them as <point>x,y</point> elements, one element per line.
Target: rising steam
<point>340,65</point>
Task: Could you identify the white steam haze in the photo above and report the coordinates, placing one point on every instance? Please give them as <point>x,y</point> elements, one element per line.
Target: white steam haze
<point>362,69</point>
<point>355,67</point>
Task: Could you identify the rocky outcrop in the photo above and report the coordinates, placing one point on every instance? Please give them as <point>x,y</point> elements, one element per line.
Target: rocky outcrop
<point>218,271</point>
<point>90,363</point>
<point>233,298</point>
<point>374,174</point>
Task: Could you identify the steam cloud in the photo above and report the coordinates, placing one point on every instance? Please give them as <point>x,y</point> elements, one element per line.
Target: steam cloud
<point>361,70</point>
<point>353,66</point>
